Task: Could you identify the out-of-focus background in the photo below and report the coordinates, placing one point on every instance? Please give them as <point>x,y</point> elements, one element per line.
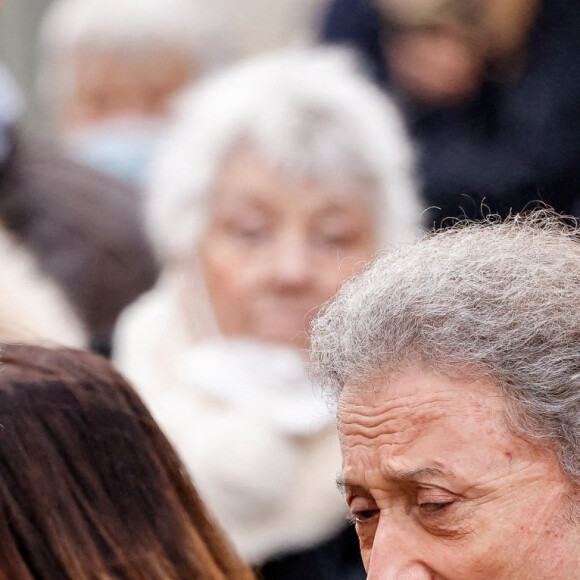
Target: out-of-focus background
<point>256,25</point>
<point>19,22</point>
<point>183,183</point>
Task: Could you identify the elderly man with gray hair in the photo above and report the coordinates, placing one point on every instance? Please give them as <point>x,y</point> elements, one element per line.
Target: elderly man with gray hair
<point>455,362</point>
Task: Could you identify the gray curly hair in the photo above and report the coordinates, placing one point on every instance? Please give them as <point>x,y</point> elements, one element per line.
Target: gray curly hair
<point>488,300</point>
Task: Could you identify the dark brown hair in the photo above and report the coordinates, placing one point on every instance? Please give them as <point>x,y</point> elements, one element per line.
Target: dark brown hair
<point>89,486</point>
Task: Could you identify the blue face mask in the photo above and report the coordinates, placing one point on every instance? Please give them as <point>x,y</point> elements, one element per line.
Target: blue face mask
<point>122,148</point>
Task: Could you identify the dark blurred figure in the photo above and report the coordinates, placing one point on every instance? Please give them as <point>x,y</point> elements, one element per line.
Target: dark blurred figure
<point>82,227</point>
<point>491,90</point>
<point>89,486</point>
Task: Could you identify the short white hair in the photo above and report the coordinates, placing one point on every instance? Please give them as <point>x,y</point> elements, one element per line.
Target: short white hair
<point>194,27</point>
<point>309,111</point>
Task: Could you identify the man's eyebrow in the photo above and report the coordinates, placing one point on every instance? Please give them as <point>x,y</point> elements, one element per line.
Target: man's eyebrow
<point>344,484</point>
<point>421,471</point>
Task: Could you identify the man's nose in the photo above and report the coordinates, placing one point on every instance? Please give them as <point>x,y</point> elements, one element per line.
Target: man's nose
<point>395,554</point>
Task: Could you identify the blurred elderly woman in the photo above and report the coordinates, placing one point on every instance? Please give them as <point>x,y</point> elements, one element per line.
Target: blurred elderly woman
<point>278,179</point>
<point>455,364</point>
<point>110,68</point>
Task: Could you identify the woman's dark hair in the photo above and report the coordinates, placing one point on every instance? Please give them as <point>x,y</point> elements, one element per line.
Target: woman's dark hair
<point>90,488</point>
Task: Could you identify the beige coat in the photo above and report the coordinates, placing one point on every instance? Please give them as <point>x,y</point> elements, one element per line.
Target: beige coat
<point>257,438</point>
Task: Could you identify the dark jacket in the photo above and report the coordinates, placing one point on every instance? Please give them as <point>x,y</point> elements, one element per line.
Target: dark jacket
<point>511,143</point>
<point>84,229</point>
<point>336,559</point>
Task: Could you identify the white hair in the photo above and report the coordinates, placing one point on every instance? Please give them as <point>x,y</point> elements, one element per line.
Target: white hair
<point>195,28</point>
<point>308,111</point>
<point>487,300</point>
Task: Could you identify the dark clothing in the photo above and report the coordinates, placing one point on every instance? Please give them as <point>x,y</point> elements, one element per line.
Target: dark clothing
<point>336,559</point>
<point>515,141</point>
<point>356,24</point>
<point>83,228</point>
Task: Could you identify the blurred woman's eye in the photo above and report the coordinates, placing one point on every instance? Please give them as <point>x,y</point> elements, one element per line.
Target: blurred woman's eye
<point>249,233</point>
<point>249,230</point>
<point>335,238</point>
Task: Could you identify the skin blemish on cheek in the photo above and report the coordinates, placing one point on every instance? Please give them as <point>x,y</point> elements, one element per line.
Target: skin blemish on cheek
<point>509,455</point>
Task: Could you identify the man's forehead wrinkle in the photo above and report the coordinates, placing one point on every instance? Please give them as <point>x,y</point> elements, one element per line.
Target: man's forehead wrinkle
<point>357,409</point>
<point>385,444</point>
<point>390,437</point>
<point>395,414</point>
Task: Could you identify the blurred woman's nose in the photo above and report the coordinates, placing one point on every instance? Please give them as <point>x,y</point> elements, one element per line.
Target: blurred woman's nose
<point>291,263</point>
<point>394,555</point>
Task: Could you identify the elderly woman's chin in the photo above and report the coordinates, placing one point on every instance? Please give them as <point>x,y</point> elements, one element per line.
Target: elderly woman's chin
<point>271,323</point>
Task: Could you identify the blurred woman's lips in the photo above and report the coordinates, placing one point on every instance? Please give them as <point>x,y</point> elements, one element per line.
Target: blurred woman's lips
<point>275,320</point>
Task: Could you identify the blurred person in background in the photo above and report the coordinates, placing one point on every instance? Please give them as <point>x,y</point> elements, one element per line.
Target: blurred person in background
<point>109,70</point>
<point>277,180</point>
<point>82,229</point>
<point>89,486</point>
<point>490,89</point>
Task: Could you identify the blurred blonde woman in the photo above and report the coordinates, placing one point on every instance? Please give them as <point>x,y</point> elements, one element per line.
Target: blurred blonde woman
<point>279,179</point>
